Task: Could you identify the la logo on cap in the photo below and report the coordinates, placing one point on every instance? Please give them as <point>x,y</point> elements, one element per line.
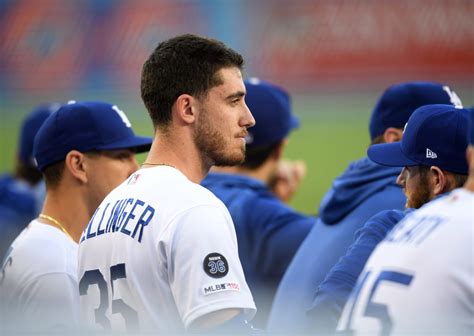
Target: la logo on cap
<point>404,128</point>
<point>430,154</point>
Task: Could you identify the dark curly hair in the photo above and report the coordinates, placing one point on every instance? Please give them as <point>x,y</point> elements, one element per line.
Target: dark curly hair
<point>186,64</point>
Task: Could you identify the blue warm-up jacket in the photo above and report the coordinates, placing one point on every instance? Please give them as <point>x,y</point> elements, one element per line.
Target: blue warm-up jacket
<point>334,291</point>
<point>362,191</point>
<point>268,233</point>
<point>19,204</point>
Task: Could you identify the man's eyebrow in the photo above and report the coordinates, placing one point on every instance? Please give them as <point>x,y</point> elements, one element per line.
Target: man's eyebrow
<point>237,94</point>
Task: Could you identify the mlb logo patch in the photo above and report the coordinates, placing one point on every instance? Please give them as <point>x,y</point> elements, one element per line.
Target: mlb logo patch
<point>133,179</point>
<point>221,287</point>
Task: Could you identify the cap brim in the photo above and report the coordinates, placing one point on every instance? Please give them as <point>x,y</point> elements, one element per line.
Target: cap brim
<point>389,154</point>
<point>138,143</point>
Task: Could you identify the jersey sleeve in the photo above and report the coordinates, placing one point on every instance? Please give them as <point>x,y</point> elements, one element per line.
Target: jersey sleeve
<point>333,292</point>
<point>204,268</point>
<point>52,302</point>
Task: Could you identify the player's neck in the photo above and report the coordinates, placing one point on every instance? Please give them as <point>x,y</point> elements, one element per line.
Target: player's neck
<point>469,185</point>
<point>263,173</point>
<point>178,153</point>
<point>68,211</point>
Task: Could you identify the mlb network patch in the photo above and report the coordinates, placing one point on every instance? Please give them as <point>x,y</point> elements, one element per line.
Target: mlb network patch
<point>221,287</point>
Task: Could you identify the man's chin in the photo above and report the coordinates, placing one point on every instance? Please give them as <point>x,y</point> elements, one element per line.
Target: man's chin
<point>226,161</point>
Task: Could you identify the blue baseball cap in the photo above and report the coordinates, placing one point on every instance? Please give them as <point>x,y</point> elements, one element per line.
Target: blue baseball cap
<point>85,126</point>
<point>435,135</point>
<point>30,126</point>
<point>470,135</point>
<point>271,108</point>
<point>399,101</point>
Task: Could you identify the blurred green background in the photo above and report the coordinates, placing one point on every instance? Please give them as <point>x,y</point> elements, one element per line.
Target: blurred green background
<point>333,132</point>
<point>335,57</point>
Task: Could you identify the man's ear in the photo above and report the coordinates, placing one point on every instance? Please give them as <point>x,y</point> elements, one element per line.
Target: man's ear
<point>392,134</point>
<point>185,108</point>
<point>75,165</point>
<point>439,180</point>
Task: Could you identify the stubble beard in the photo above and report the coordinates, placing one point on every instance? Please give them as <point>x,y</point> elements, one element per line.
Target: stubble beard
<point>421,195</point>
<point>212,145</point>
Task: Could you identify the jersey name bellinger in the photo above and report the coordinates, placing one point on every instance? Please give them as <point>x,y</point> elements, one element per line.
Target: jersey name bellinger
<point>128,216</point>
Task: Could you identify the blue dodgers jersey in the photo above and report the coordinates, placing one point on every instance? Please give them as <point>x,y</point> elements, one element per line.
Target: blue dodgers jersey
<point>268,233</point>
<point>362,191</point>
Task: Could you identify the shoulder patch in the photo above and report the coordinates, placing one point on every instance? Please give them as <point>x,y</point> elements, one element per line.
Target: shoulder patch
<point>221,287</point>
<point>215,265</point>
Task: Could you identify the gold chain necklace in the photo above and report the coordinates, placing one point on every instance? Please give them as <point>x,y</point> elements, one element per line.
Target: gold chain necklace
<point>157,164</point>
<point>58,224</point>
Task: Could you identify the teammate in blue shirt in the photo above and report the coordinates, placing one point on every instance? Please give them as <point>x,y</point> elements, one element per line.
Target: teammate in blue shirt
<point>22,193</point>
<point>432,153</point>
<point>268,231</point>
<point>362,191</point>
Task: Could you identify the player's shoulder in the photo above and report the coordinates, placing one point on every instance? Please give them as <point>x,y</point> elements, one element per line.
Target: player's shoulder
<point>457,203</point>
<point>164,183</point>
<point>169,190</point>
<point>197,195</point>
<point>458,197</point>
<point>189,194</point>
<point>45,249</point>
<point>446,218</point>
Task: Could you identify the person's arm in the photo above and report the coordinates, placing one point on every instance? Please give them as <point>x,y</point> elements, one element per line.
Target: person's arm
<point>214,319</point>
<point>333,292</point>
<point>206,276</point>
<point>287,179</point>
<point>234,323</point>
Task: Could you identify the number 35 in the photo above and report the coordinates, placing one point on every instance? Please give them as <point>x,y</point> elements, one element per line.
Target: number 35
<point>95,277</point>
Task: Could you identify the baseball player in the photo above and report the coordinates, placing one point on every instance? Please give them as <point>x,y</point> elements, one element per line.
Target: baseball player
<point>84,150</point>
<point>363,190</point>
<point>160,253</point>
<point>22,193</point>
<point>419,280</point>
<point>268,231</point>
<point>434,164</point>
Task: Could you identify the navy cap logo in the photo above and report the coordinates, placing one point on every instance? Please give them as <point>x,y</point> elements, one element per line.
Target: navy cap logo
<point>430,154</point>
<point>215,265</point>
<point>404,128</point>
<point>122,116</point>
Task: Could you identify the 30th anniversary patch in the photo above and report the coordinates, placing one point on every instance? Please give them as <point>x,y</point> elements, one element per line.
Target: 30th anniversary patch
<point>215,265</point>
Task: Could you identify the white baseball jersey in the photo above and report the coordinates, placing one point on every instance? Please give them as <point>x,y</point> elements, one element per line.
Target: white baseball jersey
<point>159,252</point>
<point>38,281</point>
<point>420,279</point>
